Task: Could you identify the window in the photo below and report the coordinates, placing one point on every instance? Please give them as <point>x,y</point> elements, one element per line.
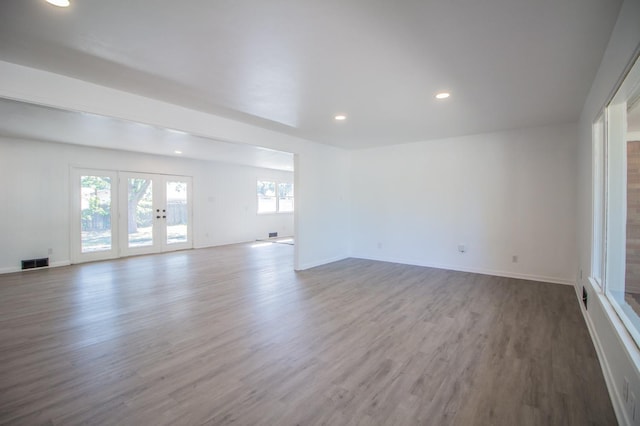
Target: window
<point>275,197</point>
<point>285,197</point>
<point>95,213</point>
<point>267,202</point>
<point>617,202</point>
<point>599,185</point>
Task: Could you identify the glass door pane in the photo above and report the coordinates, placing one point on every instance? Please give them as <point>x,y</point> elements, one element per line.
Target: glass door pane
<point>177,212</point>
<point>127,213</point>
<point>139,212</point>
<point>95,214</point>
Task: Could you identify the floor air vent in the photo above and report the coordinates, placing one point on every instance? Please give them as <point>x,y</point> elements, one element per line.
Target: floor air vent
<point>35,263</point>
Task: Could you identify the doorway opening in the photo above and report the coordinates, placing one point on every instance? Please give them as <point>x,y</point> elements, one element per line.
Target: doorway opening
<point>123,214</point>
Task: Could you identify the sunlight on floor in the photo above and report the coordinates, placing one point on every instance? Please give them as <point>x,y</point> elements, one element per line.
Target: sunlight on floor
<point>264,243</point>
<point>256,245</point>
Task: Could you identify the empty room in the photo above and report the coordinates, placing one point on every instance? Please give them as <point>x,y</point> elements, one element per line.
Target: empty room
<point>320,213</point>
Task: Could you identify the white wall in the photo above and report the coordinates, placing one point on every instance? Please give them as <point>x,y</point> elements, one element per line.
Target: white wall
<point>618,355</point>
<point>330,196</point>
<point>35,199</point>
<point>320,213</point>
<point>502,194</point>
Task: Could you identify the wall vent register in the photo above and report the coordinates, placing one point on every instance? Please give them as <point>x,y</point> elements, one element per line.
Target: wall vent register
<point>35,263</point>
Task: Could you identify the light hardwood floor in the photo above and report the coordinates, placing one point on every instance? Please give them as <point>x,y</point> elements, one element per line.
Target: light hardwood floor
<point>231,335</point>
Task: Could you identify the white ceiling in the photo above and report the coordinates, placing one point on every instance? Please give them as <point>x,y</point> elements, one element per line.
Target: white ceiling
<point>22,120</point>
<point>291,65</point>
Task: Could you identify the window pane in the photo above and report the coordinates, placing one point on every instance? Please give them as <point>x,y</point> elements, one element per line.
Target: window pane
<point>95,205</point>
<point>266,196</point>
<point>597,266</point>
<point>285,197</point>
<point>622,272</point>
<point>632,271</point>
<point>177,212</point>
<point>140,212</point>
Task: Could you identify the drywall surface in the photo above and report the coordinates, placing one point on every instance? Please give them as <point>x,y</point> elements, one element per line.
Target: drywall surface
<point>35,197</point>
<point>314,245</point>
<point>328,233</point>
<point>497,195</point>
<point>618,354</point>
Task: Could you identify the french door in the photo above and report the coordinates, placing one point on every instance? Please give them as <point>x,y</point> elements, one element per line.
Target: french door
<point>94,211</point>
<point>123,214</point>
<point>158,212</point>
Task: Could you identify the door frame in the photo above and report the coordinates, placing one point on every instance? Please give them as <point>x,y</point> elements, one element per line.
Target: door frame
<point>159,205</point>
<point>189,243</point>
<point>77,256</point>
<point>123,195</point>
<point>119,217</point>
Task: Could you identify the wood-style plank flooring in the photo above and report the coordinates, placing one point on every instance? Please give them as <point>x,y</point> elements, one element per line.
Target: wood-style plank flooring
<point>231,335</point>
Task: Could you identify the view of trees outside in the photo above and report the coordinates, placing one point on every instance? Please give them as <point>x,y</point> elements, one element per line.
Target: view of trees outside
<point>95,204</point>
<point>285,197</point>
<point>274,198</point>
<point>140,212</point>
<point>177,212</point>
<point>96,213</point>
<point>266,196</point>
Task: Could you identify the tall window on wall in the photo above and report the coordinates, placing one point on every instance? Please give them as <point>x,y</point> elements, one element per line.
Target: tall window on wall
<point>274,197</point>
<point>616,260</point>
<point>599,185</point>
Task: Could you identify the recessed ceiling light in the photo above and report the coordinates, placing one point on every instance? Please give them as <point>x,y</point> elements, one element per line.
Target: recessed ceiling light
<point>177,152</point>
<point>443,95</point>
<point>59,3</point>
<point>340,117</point>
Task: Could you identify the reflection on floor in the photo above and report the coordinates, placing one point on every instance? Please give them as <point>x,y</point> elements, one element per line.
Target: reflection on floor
<point>279,240</point>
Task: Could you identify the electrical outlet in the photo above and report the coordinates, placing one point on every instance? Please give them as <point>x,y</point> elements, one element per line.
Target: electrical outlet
<point>379,245</point>
<point>462,248</point>
<point>514,258</point>
<point>50,251</point>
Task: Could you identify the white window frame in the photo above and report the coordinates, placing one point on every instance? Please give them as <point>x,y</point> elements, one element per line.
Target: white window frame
<point>599,194</point>
<point>610,203</point>
<point>277,184</point>
<point>279,197</point>
<point>275,195</point>
<point>77,255</point>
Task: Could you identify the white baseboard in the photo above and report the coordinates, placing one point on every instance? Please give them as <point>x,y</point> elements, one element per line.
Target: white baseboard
<point>233,242</point>
<point>51,265</point>
<point>220,243</point>
<point>313,264</point>
<point>506,274</point>
<point>614,395</point>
